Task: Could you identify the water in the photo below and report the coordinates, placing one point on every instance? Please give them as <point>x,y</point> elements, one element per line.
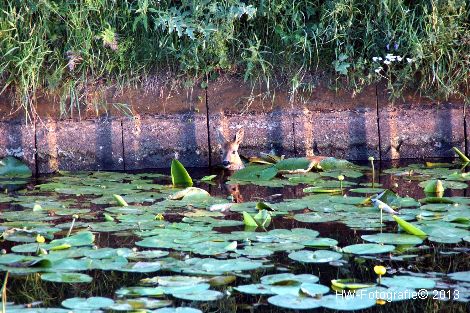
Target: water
<point>431,259</point>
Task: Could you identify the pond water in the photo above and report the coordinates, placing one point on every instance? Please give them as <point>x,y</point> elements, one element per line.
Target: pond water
<point>192,250</point>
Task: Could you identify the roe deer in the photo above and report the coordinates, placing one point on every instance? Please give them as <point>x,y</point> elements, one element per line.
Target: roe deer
<point>229,150</point>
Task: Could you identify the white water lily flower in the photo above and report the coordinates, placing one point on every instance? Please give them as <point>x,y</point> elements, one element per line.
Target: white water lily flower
<point>377,70</point>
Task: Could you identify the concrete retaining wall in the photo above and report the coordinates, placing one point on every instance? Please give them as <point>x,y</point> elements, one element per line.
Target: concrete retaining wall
<point>152,140</point>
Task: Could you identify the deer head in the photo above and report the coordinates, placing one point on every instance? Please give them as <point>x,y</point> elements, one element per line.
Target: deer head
<point>229,150</point>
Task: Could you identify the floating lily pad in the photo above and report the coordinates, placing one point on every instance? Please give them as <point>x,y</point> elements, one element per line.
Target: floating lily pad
<point>460,276</point>
<point>204,295</point>
<point>67,277</point>
<point>255,289</point>
<point>93,303</point>
<point>368,248</point>
<point>407,281</point>
<point>346,303</point>
<point>178,310</point>
<point>319,256</point>
<point>394,239</point>
<point>294,302</point>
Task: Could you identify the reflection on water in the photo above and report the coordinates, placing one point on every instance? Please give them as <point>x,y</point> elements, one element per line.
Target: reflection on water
<point>433,257</point>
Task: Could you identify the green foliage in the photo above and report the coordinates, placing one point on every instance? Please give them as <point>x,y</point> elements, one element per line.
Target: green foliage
<point>65,46</point>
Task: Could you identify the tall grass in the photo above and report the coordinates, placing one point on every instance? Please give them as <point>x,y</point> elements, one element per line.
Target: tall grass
<point>64,47</point>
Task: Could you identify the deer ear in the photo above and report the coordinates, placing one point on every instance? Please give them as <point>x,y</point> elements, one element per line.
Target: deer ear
<point>220,136</point>
<point>239,136</point>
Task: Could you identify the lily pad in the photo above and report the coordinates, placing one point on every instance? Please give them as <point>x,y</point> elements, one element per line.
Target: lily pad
<point>346,303</point>
<point>319,256</point>
<point>393,239</point>
<point>368,248</point>
<point>294,302</point>
<point>407,281</point>
<point>12,167</point>
<point>93,303</point>
<point>67,277</point>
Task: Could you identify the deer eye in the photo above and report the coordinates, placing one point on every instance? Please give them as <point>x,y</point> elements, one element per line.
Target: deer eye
<point>221,152</point>
<point>233,152</point>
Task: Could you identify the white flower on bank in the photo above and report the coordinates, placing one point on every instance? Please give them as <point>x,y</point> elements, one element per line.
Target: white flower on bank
<point>376,59</point>
<point>399,58</point>
<point>390,57</point>
<point>377,70</point>
<point>409,60</point>
<point>387,62</point>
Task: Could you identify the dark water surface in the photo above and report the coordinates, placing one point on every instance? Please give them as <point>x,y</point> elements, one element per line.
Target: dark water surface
<point>431,257</point>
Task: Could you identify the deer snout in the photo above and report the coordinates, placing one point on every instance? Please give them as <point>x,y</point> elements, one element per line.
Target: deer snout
<point>226,163</point>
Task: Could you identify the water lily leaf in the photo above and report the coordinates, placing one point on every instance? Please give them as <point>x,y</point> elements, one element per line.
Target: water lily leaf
<point>208,178</point>
<point>333,164</point>
<point>205,295</point>
<point>254,173</point>
<point>12,167</point>
<point>288,279</point>
<point>179,175</point>
<point>189,193</point>
<point>408,281</point>
<point>93,303</point>
<point>321,243</point>
<point>319,256</point>
<point>408,227</point>
<point>393,239</point>
<point>294,302</point>
<point>120,200</point>
<point>255,289</point>
<point>67,277</point>
<point>314,217</point>
<point>248,220</point>
<point>367,190</point>
<point>178,310</point>
<point>461,155</point>
<point>293,164</point>
<point>348,283</point>
<point>313,290</point>
<point>368,248</point>
<point>79,239</point>
<point>351,303</point>
<point>139,304</point>
<point>262,218</point>
<point>460,276</point>
<point>437,186</point>
<point>11,258</point>
<point>139,291</point>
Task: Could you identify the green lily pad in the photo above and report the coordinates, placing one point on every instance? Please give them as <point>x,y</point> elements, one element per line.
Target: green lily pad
<point>93,303</point>
<point>67,277</point>
<point>313,290</point>
<point>393,239</point>
<point>346,303</point>
<point>319,256</point>
<point>205,295</point>
<point>255,289</point>
<point>12,167</point>
<point>316,217</point>
<point>460,276</point>
<point>178,310</point>
<point>407,281</point>
<point>368,248</point>
<point>294,302</point>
